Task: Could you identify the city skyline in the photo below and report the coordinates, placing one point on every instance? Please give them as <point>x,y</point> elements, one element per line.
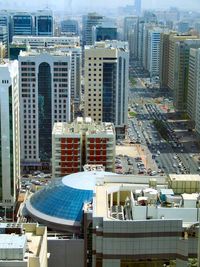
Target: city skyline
<point>76,5</point>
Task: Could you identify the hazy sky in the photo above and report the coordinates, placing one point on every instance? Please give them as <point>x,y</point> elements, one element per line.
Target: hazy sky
<point>185,4</point>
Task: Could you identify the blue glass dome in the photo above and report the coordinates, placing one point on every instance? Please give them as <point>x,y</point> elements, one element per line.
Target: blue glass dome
<point>61,203</point>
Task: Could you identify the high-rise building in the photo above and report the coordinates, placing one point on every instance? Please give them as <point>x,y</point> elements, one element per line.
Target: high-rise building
<point>9,138</point>
<point>5,21</point>
<point>44,23</point>
<point>70,26</point>
<point>103,32</point>
<point>82,142</point>
<point>193,99</point>
<point>179,46</point>
<point>164,58</point>
<point>138,7</point>
<point>153,51</point>
<point>193,81</point>
<point>131,34</point>
<point>4,38</point>
<point>90,20</point>
<point>183,27</point>
<point>197,85</point>
<point>38,23</point>
<point>106,83</point>
<point>44,99</point>
<point>65,45</point>
<point>172,42</point>
<point>22,23</point>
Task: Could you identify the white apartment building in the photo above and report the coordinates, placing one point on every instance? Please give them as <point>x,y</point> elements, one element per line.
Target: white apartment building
<point>45,98</point>
<point>65,45</point>
<point>9,134</point>
<point>153,51</point>
<point>106,83</point>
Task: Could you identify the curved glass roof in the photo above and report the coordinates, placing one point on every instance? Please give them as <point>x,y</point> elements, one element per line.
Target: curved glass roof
<point>65,197</point>
<point>61,201</point>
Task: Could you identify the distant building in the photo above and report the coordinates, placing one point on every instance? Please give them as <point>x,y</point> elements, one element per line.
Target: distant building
<point>44,24</point>
<point>138,7</point>
<point>70,26</point>
<point>90,20</point>
<point>183,27</point>
<point>104,32</point>
<point>106,83</point>
<point>9,138</point>
<point>22,23</point>
<point>44,99</point>
<point>82,142</point>
<point>23,245</point>
<point>4,38</point>
<point>131,34</point>
<point>39,23</point>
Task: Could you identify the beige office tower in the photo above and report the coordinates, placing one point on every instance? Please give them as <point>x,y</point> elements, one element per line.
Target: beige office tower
<point>9,138</point>
<point>106,83</point>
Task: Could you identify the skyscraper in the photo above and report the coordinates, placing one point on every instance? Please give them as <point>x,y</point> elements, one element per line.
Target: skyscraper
<point>106,83</point>
<point>90,20</point>
<point>138,7</point>
<point>22,24</point>
<point>44,23</point>
<point>44,100</point>
<point>9,137</point>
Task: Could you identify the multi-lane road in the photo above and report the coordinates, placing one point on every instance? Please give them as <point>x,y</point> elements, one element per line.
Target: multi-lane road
<point>172,154</point>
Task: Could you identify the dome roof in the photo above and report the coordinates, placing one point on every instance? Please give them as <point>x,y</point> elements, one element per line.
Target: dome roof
<point>60,204</point>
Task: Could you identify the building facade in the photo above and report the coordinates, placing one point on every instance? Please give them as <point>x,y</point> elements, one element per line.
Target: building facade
<point>10,138</point>
<point>44,99</point>
<point>106,83</point>
<point>70,26</point>
<point>4,38</point>
<point>23,245</point>
<point>89,21</point>
<point>44,24</point>
<point>82,142</point>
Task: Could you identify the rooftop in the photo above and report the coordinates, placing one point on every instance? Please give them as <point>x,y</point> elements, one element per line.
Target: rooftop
<point>83,125</point>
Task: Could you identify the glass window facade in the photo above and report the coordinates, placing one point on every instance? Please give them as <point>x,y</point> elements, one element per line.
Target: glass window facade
<point>61,201</point>
<point>109,91</point>
<point>45,110</point>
